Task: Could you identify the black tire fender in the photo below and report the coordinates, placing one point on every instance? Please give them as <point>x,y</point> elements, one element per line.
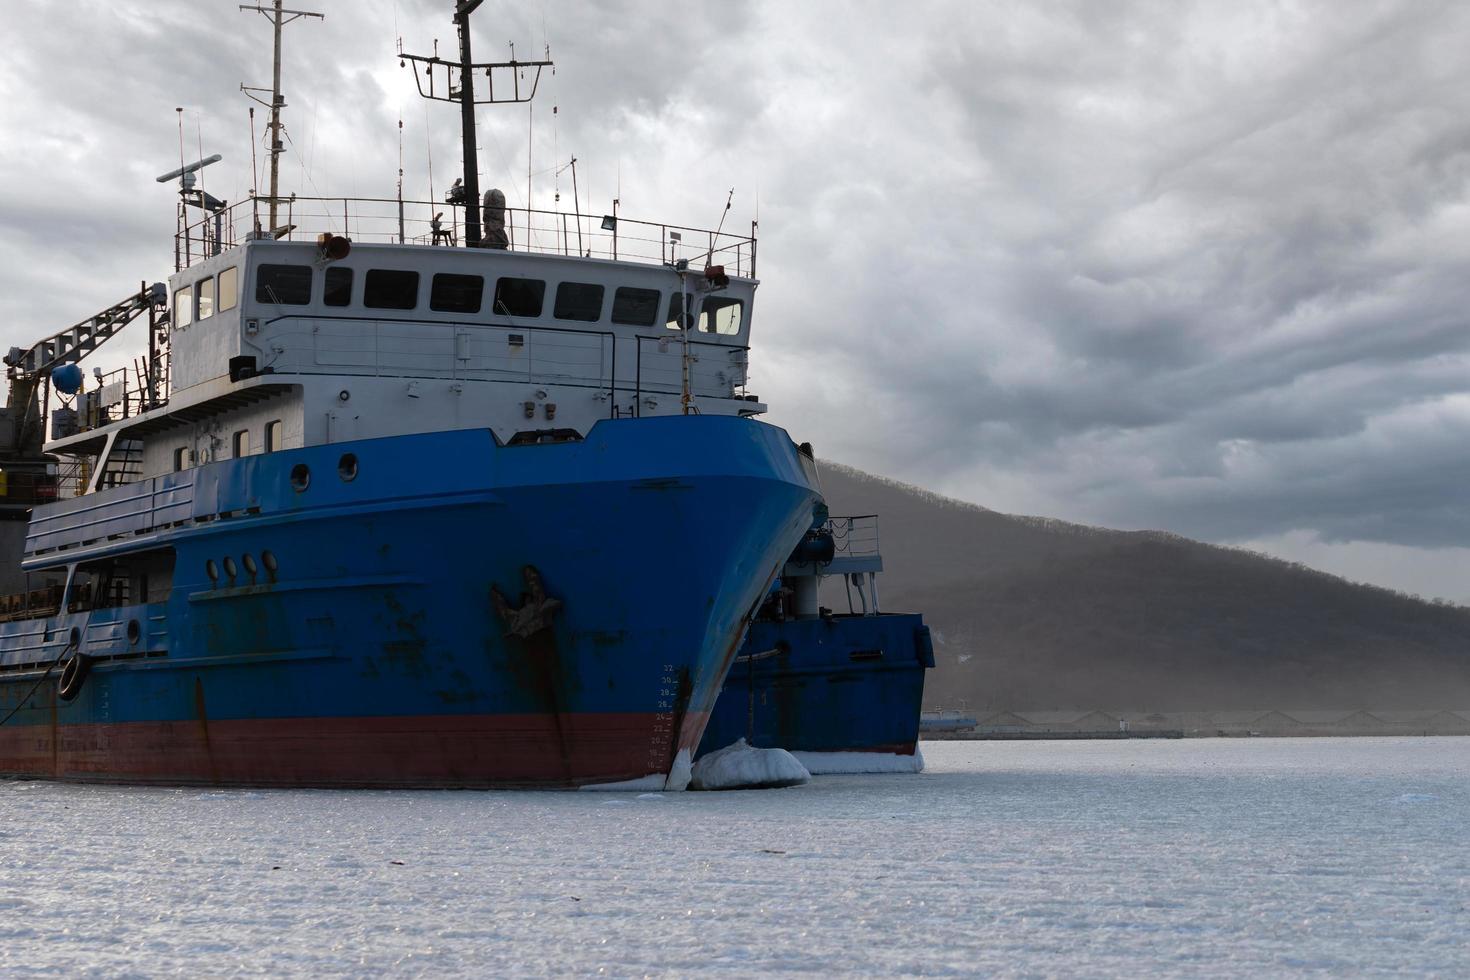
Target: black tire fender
<point>73,676</point>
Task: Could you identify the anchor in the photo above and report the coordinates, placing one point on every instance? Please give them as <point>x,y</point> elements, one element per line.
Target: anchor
<point>536,608</point>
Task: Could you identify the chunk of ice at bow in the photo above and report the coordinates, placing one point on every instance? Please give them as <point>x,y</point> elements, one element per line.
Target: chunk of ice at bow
<point>739,766</point>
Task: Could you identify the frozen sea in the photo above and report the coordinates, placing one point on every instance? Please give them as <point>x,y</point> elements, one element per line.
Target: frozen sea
<point>1260,857</point>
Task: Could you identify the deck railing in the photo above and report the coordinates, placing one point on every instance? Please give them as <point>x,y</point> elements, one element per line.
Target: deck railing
<point>855,537</point>
<point>390,221</point>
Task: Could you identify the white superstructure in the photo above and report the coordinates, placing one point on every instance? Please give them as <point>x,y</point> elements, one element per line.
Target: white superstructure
<point>278,344</point>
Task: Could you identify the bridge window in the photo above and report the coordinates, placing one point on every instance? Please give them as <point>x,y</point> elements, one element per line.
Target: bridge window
<point>241,443</point>
<point>273,436</point>
<point>635,307</point>
<point>205,288</point>
<point>184,306</point>
<point>337,291</point>
<point>390,289</point>
<point>578,301</point>
<point>519,297</point>
<point>283,285</point>
<point>720,314</point>
<point>229,288</point>
<point>452,293</point>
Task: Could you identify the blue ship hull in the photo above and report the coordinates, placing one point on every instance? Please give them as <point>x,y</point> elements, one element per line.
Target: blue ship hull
<point>838,684</point>
<point>394,635</point>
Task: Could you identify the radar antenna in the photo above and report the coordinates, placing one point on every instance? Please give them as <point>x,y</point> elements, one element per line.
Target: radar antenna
<point>279,18</point>
<point>458,85</point>
<point>190,195</point>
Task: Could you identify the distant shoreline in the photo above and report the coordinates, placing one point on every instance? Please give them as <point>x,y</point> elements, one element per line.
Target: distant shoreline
<point>1027,724</point>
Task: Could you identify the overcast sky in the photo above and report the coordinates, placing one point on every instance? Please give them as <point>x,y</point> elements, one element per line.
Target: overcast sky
<point>1197,267</point>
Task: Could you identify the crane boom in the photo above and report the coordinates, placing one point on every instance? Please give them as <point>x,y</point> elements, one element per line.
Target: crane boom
<point>80,339</point>
<point>28,368</point>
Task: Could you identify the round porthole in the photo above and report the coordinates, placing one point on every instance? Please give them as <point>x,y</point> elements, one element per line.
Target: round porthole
<point>134,633</point>
<point>300,477</point>
<point>347,467</point>
<point>231,569</point>
<point>248,560</point>
<point>212,570</point>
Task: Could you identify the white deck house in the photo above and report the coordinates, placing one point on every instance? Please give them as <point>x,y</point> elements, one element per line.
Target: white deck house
<point>276,344</point>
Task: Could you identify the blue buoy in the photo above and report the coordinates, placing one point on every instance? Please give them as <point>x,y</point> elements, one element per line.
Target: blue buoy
<point>67,379</point>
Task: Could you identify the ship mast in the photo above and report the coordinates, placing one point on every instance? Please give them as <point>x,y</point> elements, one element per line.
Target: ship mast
<point>279,18</point>
<point>459,86</point>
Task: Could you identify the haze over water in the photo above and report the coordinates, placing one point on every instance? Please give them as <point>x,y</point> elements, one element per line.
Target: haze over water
<point>1207,857</point>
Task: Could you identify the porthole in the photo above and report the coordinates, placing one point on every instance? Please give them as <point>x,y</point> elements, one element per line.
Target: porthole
<point>347,467</point>
<point>134,633</point>
<point>212,570</point>
<point>231,569</point>
<point>248,560</point>
<point>268,559</point>
<point>300,477</point>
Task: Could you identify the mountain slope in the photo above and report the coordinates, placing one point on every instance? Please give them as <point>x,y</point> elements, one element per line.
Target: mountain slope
<point>1037,613</point>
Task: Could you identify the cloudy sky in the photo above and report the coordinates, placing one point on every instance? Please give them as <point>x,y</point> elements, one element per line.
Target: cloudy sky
<point>1198,267</point>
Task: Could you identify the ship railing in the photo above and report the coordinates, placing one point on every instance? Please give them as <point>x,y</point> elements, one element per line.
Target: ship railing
<point>122,394</point>
<point>854,537</point>
<point>73,475</point>
<point>31,604</point>
<point>390,221</point>
<point>18,487</point>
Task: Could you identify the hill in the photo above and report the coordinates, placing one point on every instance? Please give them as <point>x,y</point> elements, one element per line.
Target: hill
<point>1037,613</point>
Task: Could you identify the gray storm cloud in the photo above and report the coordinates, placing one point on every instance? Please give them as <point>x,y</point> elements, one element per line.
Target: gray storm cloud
<point>1189,266</point>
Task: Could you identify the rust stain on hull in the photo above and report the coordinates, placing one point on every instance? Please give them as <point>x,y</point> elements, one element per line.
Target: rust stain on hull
<point>203,717</point>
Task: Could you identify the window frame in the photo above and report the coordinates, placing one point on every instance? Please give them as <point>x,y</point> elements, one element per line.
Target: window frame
<point>327,277</point>
<point>572,314</point>
<point>275,432</point>
<point>371,289</point>
<point>441,279</point>
<point>260,272</point>
<point>200,288</point>
<point>183,306</point>
<point>498,306</point>
<point>234,273</point>
<point>652,320</point>
<point>707,322</point>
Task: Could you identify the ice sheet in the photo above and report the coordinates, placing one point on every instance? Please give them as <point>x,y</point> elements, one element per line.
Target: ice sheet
<point>1117,859</point>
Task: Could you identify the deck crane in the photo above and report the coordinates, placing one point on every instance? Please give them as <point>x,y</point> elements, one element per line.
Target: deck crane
<point>27,369</point>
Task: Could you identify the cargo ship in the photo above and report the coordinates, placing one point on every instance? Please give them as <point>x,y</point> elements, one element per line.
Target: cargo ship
<point>394,499</point>
<point>840,691</point>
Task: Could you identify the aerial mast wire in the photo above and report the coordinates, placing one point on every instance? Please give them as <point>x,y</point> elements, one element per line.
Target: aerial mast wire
<point>400,178</point>
<point>458,86</point>
<point>279,18</point>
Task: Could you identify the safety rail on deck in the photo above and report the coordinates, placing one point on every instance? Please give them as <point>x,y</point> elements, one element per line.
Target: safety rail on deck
<point>32,604</point>
<point>133,508</point>
<point>854,537</point>
<point>390,221</point>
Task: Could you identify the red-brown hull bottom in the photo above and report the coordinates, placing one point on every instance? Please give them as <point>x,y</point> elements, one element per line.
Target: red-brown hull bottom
<point>465,751</point>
